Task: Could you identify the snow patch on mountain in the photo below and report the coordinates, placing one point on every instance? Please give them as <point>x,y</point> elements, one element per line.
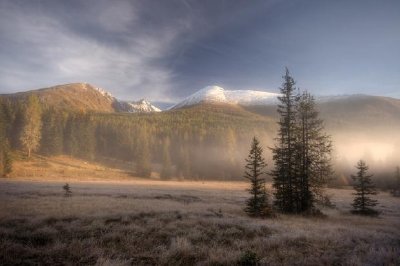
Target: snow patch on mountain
<point>104,93</point>
<point>141,106</point>
<point>216,94</point>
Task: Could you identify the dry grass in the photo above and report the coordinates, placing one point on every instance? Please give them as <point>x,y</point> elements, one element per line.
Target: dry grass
<point>146,222</point>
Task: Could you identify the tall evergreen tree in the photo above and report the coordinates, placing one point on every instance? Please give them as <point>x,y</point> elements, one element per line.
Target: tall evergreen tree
<point>166,171</point>
<point>313,153</point>
<point>31,130</point>
<point>364,187</point>
<point>257,204</point>
<point>285,150</point>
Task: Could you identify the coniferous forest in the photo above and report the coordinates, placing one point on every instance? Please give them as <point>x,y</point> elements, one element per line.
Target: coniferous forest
<point>184,140</point>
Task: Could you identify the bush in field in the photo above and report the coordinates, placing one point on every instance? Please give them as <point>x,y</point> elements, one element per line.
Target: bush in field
<point>249,258</point>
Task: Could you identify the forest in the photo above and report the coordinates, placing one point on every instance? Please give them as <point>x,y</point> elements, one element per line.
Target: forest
<point>182,142</point>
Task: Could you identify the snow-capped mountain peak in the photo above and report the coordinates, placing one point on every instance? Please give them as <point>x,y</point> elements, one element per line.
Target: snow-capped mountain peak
<point>141,106</point>
<point>216,94</point>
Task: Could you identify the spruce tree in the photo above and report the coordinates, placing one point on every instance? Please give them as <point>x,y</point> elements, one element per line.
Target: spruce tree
<point>67,190</point>
<point>284,177</point>
<point>31,130</point>
<point>257,204</point>
<point>313,154</point>
<point>166,171</point>
<point>364,187</point>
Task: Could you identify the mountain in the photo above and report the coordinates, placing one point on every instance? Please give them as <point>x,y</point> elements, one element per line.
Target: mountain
<point>344,111</point>
<point>215,94</point>
<point>141,106</point>
<point>74,96</point>
<point>83,97</point>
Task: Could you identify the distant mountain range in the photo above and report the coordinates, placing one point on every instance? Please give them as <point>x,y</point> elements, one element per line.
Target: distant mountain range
<point>358,123</point>
<point>350,111</point>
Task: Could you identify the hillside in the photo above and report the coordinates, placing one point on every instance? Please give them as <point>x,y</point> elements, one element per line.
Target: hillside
<point>218,95</point>
<point>206,140</point>
<point>83,97</point>
<point>349,112</point>
<point>74,96</point>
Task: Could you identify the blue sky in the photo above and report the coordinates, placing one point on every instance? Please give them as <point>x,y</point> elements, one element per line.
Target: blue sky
<point>167,49</point>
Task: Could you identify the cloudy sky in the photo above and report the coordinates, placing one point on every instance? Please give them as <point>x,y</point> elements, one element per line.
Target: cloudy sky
<point>167,49</point>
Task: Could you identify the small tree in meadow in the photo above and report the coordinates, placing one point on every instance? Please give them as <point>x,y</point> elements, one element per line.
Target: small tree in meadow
<point>364,188</point>
<point>67,190</point>
<point>257,204</point>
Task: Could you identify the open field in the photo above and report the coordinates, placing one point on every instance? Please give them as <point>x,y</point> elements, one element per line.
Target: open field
<point>140,222</point>
<point>114,218</point>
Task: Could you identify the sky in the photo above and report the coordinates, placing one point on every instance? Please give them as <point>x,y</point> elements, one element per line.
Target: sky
<point>164,50</point>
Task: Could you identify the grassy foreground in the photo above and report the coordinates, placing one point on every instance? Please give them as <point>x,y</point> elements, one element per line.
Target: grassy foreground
<point>122,221</point>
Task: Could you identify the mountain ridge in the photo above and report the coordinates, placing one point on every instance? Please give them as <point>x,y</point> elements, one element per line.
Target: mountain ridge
<point>83,97</point>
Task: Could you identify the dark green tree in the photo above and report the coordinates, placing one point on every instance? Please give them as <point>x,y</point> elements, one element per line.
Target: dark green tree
<point>284,152</point>
<point>364,188</point>
<point>67,190</point>
<point>257,204</point>
<point>313,154</point>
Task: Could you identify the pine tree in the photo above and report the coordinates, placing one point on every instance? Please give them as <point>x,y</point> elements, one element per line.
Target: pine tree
<point>364,187</point>
<point>67,190</point>
<point>31,130</point>
<point>257,205</point>
<point>284,176</point>
<point>166,171</point>
<point>313,154</point>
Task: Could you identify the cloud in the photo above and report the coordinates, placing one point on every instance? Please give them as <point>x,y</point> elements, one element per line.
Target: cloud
<point>116,52</point>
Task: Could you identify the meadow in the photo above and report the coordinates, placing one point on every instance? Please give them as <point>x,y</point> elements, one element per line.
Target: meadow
<point>124,220</point>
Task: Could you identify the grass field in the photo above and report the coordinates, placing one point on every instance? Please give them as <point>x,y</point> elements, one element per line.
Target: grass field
<point>122,220</point>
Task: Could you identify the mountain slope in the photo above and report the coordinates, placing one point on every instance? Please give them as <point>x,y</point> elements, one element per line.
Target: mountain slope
<point>141,106</point>
<point>83,97</point>
<point>74,96</point>
<point>215,94</point>
<point>350,112</point>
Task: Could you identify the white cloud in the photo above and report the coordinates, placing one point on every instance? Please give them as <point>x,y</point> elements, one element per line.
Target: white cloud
<point>63,55</point>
